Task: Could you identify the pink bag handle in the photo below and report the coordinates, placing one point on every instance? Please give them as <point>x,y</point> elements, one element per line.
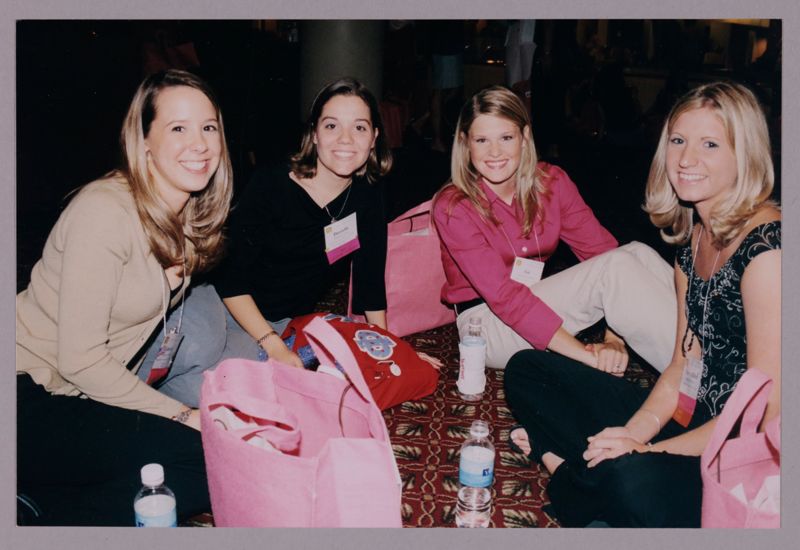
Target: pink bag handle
<point>320,333</point>
<point>396,226</point>
<point>773,429</point>
<point>748,401</point>
<point>329,346</point>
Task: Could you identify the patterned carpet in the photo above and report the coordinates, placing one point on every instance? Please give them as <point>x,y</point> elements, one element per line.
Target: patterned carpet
<point>427,436</point>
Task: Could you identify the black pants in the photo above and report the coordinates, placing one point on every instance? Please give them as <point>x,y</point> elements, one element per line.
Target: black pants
<point>562,402</point>
<point>79,459</point>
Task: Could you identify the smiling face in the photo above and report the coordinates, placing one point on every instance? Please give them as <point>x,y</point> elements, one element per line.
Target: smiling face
<point>343,136</point>
<point>183,144</point>
<point>495,149</point>
<point>701,162</point>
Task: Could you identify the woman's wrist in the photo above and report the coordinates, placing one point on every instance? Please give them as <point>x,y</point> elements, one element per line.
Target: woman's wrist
<point>262,342</point>
<point>274,345</point>
<point>644,425</point>
<point>183,416</point>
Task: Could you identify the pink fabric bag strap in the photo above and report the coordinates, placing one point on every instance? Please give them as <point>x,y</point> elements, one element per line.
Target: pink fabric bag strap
<point>750,397</point>
<point>404,223</point>
<point>318,333</point>
<point>328,345</point>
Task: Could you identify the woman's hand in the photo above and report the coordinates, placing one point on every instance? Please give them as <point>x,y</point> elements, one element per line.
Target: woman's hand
<point>610,356</point>
<point>435,363</point>
<point>611,443</point>
<point>284,355</point>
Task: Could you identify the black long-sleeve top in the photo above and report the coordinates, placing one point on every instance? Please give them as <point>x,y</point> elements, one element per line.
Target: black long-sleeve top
<point>277,254</point>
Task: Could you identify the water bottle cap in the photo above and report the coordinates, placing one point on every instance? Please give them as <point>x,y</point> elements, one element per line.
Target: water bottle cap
<point>476,321</point>
<point>152,475</point>
<point>479,428</point>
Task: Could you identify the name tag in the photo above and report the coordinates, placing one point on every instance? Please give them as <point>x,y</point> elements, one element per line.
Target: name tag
<point>690,385</point>
<point>341,238</point>
<point>165,356</point>
<point>527,271</point>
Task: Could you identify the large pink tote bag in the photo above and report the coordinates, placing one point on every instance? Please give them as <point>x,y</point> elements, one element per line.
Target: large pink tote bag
<point>288,447</point>
<point>747,459</point>
<point>414,275</point>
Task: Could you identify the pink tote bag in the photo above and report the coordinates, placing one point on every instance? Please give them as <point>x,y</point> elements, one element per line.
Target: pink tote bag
<point>414,275</point>
<point>288,447</point>
<point>743,463</point>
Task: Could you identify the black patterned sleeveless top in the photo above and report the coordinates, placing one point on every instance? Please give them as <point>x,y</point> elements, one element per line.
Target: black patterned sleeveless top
<point>724,337</point>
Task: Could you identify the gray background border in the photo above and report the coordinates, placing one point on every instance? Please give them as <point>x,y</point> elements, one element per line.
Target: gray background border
<point>67,538</point>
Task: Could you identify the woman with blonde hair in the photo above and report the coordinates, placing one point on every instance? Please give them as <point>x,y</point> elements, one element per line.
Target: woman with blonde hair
<point>502,216</point>
<point>119,258</point>
<point>708,190</point>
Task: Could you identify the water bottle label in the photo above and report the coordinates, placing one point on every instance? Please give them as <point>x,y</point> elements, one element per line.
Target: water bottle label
<point>166,520</point>
<point>155,511</point>
<point>476,467</point>
<point>472,369</point>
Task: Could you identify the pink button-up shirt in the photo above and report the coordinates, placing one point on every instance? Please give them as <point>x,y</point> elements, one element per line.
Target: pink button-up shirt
<point>478,256</point>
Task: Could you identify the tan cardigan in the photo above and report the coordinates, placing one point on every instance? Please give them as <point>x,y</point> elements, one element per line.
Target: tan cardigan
<point>94,298</point>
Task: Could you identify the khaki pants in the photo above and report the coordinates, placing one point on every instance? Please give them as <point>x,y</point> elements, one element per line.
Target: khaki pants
<point>631,286</point>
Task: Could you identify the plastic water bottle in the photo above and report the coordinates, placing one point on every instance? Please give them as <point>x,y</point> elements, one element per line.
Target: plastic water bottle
<point>154,504</point>
<point>472,363</point>
<point>474,507</point>
<point>476,465</point>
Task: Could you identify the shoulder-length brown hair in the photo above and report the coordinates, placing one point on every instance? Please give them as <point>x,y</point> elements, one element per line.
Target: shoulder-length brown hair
<point>193,237</point>
<point>746,129</point>
<point>501,102</point>
<point>304,162</point>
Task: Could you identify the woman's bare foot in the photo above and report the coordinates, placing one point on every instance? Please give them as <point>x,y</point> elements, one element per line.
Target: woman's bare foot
<point>519,436</point>
<point>551,461</point>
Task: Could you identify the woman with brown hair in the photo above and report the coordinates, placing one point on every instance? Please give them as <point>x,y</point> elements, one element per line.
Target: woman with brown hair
<point>299,227</point>
<point>118,259</point>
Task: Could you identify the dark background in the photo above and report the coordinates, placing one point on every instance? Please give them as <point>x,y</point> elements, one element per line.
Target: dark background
<point>600,91</point>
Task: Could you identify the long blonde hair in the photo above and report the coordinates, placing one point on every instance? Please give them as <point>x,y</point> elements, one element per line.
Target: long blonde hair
<point>193,237</point>
<point>500,102</point>
<point>746,129</point>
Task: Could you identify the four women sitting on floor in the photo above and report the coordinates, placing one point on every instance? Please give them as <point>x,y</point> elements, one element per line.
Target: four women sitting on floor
<point>108,305</point>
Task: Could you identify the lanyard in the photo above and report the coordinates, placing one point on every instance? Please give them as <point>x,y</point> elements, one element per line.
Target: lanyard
<point>513,250</point>
<point>711,282</point>
<point>165,301</point>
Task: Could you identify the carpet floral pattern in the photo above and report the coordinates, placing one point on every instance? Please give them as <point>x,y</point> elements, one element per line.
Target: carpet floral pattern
<point>427,435</point>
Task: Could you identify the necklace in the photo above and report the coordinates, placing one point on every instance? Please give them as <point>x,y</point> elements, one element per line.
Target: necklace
<point>336,217</point>
<point>684,347</point>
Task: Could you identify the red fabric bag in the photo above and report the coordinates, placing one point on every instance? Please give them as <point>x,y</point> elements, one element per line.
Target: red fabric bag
<point>414,275</point>
<point>289,447</point>
<point>392,369</point>
<point>746,460</point>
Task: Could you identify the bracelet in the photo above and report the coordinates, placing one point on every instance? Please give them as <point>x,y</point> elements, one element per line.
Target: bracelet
<point>263,338</point>
<point>654,415</point>
<point>182,416</point>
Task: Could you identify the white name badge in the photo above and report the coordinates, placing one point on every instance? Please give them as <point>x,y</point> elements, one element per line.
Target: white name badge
<point>527,271</point>
<point>690,386</point>
<point>341,238</point>
<point>165,356</point>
